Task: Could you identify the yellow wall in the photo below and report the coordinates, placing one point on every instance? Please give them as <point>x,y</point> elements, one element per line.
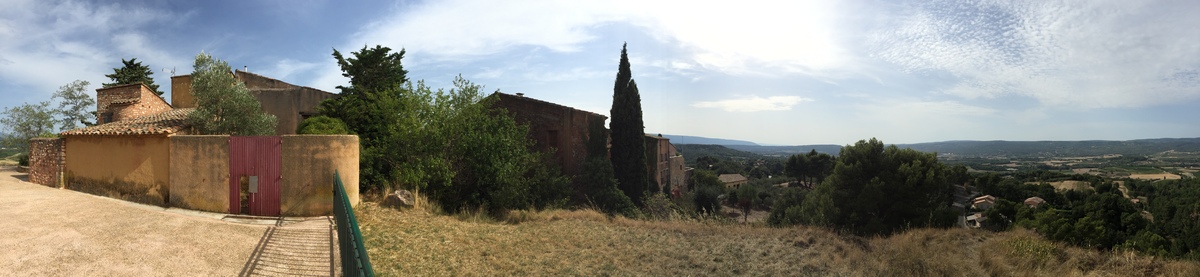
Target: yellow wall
<point>200,173</point>
<point>134,168</point>
<point>308,165</point>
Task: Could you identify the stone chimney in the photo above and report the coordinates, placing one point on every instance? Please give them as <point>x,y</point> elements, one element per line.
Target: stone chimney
<point>181,92</point>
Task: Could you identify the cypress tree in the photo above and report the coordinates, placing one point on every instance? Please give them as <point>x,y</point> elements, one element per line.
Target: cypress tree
<point>628,146</point>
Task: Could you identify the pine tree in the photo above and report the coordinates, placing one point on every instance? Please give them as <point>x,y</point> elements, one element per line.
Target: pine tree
<point>628,146</point>
<point>132,73</point>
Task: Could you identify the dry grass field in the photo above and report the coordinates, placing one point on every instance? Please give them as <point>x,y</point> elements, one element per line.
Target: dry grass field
<point>1158,176</point>
<point>421,242</point>
<point>1067,185</point>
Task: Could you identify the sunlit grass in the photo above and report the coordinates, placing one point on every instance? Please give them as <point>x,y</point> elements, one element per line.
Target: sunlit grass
<point>422,242</point>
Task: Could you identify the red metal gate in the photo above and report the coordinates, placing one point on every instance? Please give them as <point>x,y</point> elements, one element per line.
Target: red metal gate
<point>254,174</point>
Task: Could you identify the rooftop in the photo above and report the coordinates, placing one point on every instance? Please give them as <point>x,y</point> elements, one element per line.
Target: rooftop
<point>168,122</point>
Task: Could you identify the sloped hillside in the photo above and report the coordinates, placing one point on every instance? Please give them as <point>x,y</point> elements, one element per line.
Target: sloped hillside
<point>417,242</point>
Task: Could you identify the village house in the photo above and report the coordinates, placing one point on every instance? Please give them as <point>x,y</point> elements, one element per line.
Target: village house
<point>142,150</point>
<point>564,131</point>
<point>665,165</point>
<point>290,104</point>
<point>983,202</point>
<point>732,181</point>
<point>1034,202</point>
<point>553,128</point>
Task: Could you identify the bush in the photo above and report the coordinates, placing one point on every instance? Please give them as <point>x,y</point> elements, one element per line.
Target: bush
<point>323,125</point>
<point>598,176</point>
<point>23,159</point>
<point>786,210</point>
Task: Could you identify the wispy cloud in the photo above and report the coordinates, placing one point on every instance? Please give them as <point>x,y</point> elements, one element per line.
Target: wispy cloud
<point>44,45</point>
<point>754,103</point>
<point>1091,54</point>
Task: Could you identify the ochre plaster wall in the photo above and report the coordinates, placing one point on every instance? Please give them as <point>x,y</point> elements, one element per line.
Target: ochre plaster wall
<point>288,104</point>
<point>134,168</point>
<point>200,173</point>
<point>308,165</point>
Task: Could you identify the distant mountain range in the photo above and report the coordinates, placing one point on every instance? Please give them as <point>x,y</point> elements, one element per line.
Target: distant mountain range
<point>677,139</point>
<point>1138,147</point>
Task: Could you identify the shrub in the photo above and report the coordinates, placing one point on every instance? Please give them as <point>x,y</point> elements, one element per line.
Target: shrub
<point>23,159</point>
<point>786,210</point>
<point>323,125</point>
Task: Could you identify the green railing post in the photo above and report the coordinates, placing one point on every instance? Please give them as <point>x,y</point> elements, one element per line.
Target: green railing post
<point>350,242</point>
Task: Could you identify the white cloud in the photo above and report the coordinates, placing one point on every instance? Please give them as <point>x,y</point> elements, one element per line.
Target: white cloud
<point>1091,54</point>
<point>286,67</point>
<point>756,37</point>
<point>44,45</point>
<point>754,103</point>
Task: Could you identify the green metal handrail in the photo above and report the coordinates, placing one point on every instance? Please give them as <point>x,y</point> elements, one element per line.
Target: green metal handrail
<point>350,242</point>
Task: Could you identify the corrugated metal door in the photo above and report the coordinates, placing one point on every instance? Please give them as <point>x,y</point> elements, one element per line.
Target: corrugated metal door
<point>254,170</point>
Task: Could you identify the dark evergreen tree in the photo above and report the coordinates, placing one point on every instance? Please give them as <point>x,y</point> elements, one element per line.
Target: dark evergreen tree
<point>628,146</point>
<point>133,72</point>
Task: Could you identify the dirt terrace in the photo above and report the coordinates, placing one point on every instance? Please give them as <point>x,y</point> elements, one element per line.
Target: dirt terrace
<point>55,232</point>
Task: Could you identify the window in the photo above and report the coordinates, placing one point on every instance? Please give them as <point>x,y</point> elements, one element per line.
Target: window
<point>106,118</point>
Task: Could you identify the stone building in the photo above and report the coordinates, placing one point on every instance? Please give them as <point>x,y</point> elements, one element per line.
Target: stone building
<point>665,165</point>
<point>553,127</point>
<point>290,103</point>
<point>126,102</point>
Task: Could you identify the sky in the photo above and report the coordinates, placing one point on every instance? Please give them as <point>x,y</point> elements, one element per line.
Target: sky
<point>771,72</point>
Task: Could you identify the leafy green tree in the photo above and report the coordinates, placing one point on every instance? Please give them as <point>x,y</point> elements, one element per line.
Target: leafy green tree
<point>786,210</point>
<point>323,125</point>
<point>628,131</point>
<point>133,72</point>
<point>372,107</point>
<point>27,121</point>
<point>598,177</point>
<point>708,189</point>
<point>811,167</point>
<point>75,105</point>
<point>224,105</point>
<point>744,197</point>
<point>877,190</point>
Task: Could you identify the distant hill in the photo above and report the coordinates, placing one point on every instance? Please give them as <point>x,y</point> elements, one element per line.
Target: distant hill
<point>678,139</point>
<point>967,148</point>
<point>691,152</point>
<point>784,151</point>
<point>1138,147</point>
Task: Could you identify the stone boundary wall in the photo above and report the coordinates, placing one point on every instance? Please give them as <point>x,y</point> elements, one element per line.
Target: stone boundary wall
<point>46,161</point>
<point>200,172</point>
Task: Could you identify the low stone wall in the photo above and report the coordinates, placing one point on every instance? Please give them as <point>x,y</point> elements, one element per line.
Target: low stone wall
<point>309,162</point>
<point>46,161</point>
<point>200,173</point>
<point>134,168</point>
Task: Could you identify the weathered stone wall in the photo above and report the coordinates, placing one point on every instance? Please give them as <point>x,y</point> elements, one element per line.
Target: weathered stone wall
<point>309,162</point>
<point>134,168</point>
<point>45,161</point>
<point>126,102</point>
<point>200,173</point>
<point>181,92</point>
<point>287,102</point>
<point>289,105</point>
<point>553,126</point>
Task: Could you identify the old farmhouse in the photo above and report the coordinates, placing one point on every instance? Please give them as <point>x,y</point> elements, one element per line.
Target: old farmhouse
<point>143,150</point>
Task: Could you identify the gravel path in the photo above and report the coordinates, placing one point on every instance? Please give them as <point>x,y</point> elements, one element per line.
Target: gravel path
<point>53,232</point>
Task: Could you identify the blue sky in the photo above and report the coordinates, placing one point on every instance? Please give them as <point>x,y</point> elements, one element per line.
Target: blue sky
<point>774,72</point>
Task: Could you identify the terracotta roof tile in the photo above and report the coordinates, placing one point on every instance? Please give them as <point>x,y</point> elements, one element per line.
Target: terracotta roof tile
<point>124,101</point>
<point>167,122</point>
